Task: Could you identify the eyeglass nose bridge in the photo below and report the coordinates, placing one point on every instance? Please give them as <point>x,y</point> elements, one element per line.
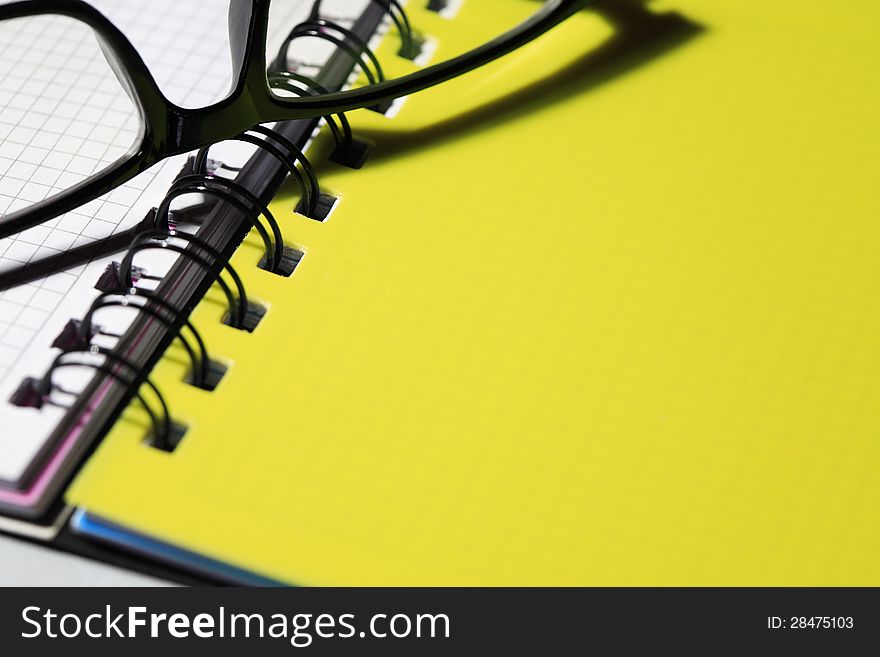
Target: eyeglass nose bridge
<point>248,98</point>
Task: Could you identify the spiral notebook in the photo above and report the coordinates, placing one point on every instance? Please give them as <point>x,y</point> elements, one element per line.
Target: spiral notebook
<point>602,313</point>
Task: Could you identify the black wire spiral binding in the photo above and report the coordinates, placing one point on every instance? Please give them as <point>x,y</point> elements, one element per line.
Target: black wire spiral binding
<point>123,299</point>
<point>162,430</point>
<point>351,43</point>
<point>200,177</point>
<point>231,192</point>
<point>153,240</point>
<point>348,152</point>
<point>342,132</point>
<point>327,29</point>
<point>287,153</point>
<point>303,30</point>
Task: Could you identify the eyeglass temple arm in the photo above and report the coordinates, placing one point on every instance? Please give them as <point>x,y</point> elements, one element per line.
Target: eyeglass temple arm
<point>552,14</point>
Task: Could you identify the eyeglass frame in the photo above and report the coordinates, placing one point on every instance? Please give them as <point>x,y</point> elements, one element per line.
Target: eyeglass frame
<point>169,129</point>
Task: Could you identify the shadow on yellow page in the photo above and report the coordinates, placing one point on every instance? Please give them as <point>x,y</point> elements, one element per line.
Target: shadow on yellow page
<point>619,36</point>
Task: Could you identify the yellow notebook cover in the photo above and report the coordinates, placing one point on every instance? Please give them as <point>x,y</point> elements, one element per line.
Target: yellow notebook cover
<point>604,313</point>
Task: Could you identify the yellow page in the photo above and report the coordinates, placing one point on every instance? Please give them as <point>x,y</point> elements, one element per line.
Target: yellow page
<point>603,313</point>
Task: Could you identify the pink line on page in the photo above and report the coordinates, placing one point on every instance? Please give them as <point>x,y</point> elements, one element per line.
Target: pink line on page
<point>31,495</point>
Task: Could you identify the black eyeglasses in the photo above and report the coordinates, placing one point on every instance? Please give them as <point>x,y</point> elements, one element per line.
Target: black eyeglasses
<point>165,129</point>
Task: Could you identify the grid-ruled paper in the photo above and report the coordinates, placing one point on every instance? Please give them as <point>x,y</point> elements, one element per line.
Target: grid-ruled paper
<point>185,45</point>
<point>65,115</point>
<point>48,146</point>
